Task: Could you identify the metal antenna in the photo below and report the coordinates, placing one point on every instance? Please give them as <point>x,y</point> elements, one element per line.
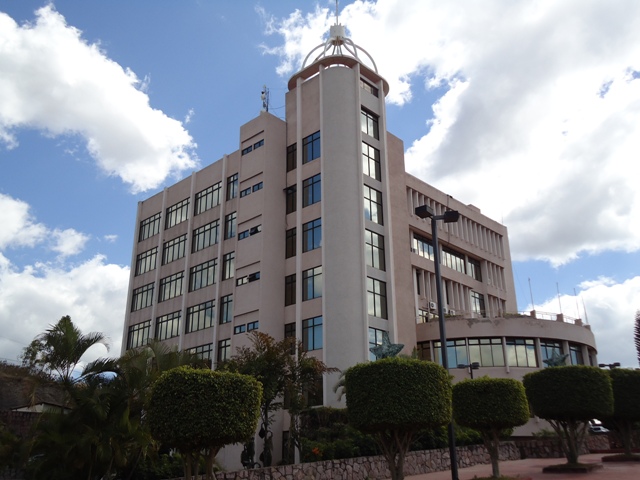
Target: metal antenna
<point>337,18</point>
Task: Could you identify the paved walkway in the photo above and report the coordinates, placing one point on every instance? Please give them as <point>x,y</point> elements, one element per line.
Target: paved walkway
<point>532,468</point>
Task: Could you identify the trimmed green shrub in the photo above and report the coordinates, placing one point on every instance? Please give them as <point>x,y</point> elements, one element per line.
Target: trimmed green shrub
<point>490,405</point>
<point>568,397</point>
<point>626,404</point>
<point>393,399</point>
<point>193,410</point>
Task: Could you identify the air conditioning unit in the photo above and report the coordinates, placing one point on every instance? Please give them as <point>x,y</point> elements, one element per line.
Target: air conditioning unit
<point>451,311</point>
<point>433,306</point>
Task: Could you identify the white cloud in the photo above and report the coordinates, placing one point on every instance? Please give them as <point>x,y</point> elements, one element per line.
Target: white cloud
<point>68,242</point>
<point>610,311</point>
<point>53,80</point>
<point>35,296</point>
<point>110,238</point>
<point>540,122</point>
<point>18,226</point>
<point>93,294</point>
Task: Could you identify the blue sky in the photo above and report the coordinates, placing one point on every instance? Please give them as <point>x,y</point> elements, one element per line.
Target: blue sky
<point>530,111</point>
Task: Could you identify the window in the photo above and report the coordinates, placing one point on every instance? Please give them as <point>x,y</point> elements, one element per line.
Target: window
<point>521,352</point>
<point>453,259</point>
<point>423,316</point>
<point>139,334</point>
<point>239,329</point>
<point>149,227</point>
<point>252,277</point>
<point>290,330</point>
<point>474,269</point>
<point>232,186</point>
<point>375,339</point>
<point>477,303</point>
<point>167,326</point>
<point>247,149</point>
<point>486,351</point>
<point>203,351</point>
<point>373,205</point>
<point>228,265</point>
<point>205,236</point>
<point>253,326</point>
<point>422,247</point>
<point>369,123</point>
<point>312,283</point>
<point>311,192</point>
<point>142,297</point>
<point>312,235</point>
<point>257,186</point>
<point>367,87</point>
<point>289,290</point>
<point>291,199</point>
<point>290,245</point>
<point>549,348</point>
<point>575,353</point>
<point>374,249</point>
<point>312,334</point>
<point>456,352</point>
<point>230,225</point>
<point>245,192</point>
<point>424,351</point>
<point>224,350</point>
<point>200,316</point>
<point>202,275</point>
<point>174,249</point>
<point>146,261</point>
<point>258,144</point>
<point>226,309</point>
<point>376,298</point>
<point>371,161</point>
<point>207,199</point>
<point>177,213</point>
<point>170,286</point>
<point>244,234</point>
<point>310,147</point>
<point>292,157</point>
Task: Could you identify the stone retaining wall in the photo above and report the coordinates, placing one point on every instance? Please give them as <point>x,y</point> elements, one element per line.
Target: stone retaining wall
<point>373,468</point>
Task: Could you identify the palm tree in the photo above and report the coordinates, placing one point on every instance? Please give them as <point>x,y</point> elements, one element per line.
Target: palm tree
<point>59,349</point>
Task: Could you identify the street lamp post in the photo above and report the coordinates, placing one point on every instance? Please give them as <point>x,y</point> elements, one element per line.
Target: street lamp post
<point>450,216</point>
<point>611,366</point>
<point>471,366</point>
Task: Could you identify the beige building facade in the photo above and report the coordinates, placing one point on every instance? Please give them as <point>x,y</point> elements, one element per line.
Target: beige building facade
<point>308,230</point>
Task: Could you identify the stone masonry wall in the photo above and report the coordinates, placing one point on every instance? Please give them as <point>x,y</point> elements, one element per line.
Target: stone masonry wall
<point>373,468</point>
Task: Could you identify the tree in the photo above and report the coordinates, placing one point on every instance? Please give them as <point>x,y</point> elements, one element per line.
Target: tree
<point>626,404</point>
<point>393,399</point>
<point>194,410</point>
<point>490,405</point>
<point>303,386</point>
<point>267,361</point>
<point>568,397</point>
<point>59,349</point>
<point>636,334</point>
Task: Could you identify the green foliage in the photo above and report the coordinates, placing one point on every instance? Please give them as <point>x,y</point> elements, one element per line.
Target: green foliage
<point>326,435</point>
<point>626,393</point>
<point>626,398</point>
<point>568,397</point>
<point>572,393</point>
<point>398,393</point>
<point>393,399</point>
<point>59,349</point>
<point>195,409</point>
<point>490,403</point>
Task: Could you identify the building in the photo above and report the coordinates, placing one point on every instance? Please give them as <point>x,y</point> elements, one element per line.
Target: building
<point>308,229</point>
